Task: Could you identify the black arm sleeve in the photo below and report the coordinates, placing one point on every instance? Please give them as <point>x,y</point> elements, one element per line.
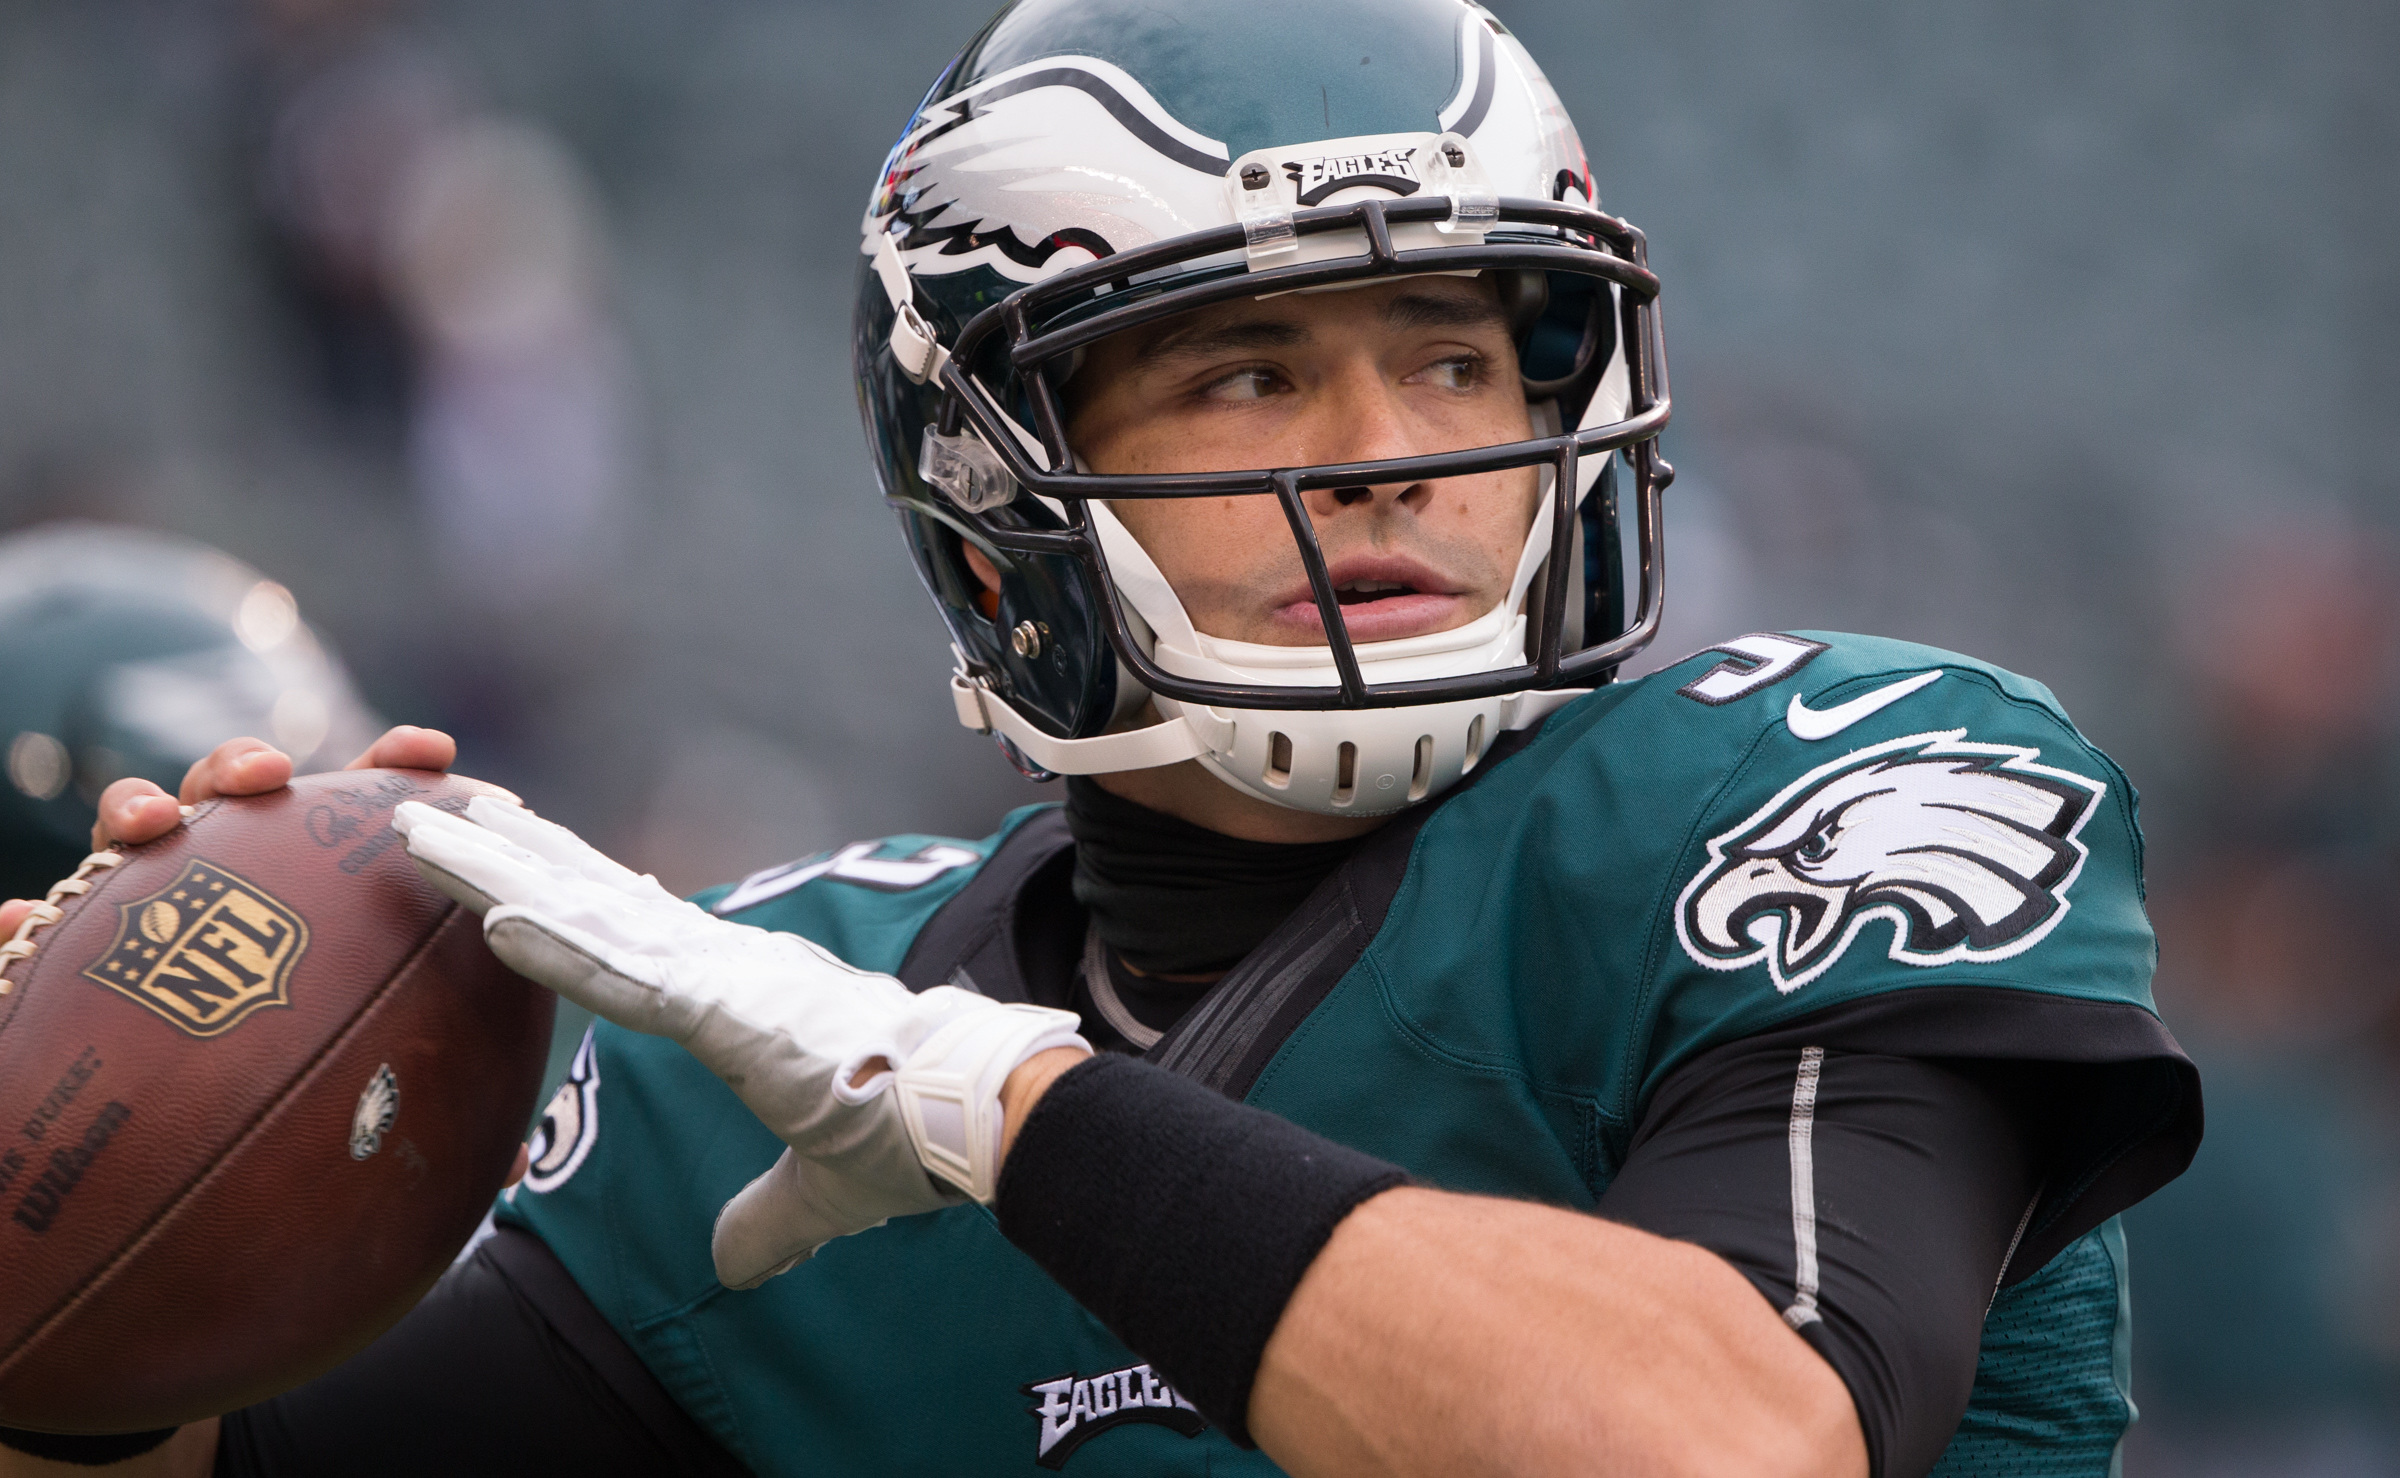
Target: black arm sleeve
<point>1873,1200</point>
<point>504,1369</point>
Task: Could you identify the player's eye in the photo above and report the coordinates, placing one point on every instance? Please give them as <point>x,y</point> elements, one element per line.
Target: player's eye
<point>1453,372</point>
<point>1250,382</point>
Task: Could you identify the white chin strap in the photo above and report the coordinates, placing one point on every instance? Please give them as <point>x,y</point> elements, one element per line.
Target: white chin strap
<point>1336,762</point>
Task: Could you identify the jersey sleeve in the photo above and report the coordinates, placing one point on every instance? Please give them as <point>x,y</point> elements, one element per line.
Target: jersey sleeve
<point>1899,851</point>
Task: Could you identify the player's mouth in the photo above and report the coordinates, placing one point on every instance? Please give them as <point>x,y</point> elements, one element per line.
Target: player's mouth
<point>1382,598</point>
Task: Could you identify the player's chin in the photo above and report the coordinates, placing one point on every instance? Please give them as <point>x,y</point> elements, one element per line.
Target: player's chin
<point>1389,618</point>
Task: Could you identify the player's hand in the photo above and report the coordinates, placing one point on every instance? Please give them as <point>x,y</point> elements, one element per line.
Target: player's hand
<point>889,1101</point>
<point>134,811</point>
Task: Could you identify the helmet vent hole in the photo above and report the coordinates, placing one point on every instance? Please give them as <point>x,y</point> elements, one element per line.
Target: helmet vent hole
<point>1474,744</point>
<point>1345,774</point>
<point>1420,780</point>
<point>1279,761</point>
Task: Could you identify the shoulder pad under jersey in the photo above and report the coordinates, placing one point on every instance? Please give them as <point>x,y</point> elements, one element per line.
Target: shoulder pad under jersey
<point>1779,824</point>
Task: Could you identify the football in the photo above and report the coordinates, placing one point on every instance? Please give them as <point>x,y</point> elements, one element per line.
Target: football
<point>258,1085</point>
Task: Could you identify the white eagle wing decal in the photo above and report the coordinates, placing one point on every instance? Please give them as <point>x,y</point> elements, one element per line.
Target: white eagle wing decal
<point>1967,849</point>
<point>979,183</point>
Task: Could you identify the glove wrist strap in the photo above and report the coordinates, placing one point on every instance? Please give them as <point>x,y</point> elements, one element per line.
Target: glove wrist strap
<point>949,1089</point>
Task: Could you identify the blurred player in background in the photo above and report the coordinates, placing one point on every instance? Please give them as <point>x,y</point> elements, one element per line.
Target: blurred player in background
<point>1272,415</point>
<point>133,653</point>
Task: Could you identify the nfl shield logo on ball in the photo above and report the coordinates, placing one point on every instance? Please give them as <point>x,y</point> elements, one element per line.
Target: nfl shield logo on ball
<point>204,951</point>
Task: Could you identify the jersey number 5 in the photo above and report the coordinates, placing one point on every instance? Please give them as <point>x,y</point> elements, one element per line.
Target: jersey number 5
<point>1759,660</point>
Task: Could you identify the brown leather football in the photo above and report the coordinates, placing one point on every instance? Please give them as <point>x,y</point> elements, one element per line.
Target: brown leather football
<point>258,1084</point>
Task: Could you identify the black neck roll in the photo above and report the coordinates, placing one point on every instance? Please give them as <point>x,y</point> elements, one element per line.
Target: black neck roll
<point>1172,898</point>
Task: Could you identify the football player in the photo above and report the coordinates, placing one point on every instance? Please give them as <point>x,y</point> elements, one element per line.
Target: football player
<point>130,652</point>
<point>1408,1049</point>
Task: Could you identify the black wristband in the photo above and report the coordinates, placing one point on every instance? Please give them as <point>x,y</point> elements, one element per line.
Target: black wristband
<point>1182,1219</point>
<point>86,1452</point>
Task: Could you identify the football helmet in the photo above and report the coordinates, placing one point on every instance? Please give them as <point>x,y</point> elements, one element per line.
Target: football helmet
<point>127,652</point>
<point>1087,167</point>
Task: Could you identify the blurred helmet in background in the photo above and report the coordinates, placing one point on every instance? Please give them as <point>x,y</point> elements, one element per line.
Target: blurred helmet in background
<point>127,652</point>
<point>1089,166</point>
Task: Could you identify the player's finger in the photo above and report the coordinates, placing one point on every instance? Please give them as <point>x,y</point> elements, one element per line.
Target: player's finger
<point>468,863</point>
<point>457,889</point>
<point>555,844</point>
<point>422,824</point>
<point>12,913</point>
<point>603,980</point>
<point>769,1226</point>
<point>505,826</point>
<point>407,747</point>
<point>544,839</point>
<point>482,869</point>
<point>237,767</point>
<point>134,811</point>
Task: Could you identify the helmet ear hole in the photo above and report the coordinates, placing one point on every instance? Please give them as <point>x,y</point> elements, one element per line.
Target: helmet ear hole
<point>1524,296</point>
<point>958,581</point>
<point>1564,352</point>
<point>986,575</point>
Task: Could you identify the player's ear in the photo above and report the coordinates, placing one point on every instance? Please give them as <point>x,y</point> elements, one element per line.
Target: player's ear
<point>981,564</point>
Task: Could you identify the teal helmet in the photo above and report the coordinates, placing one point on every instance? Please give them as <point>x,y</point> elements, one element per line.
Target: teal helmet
<point>128,652</point>
<point>1088,166</point>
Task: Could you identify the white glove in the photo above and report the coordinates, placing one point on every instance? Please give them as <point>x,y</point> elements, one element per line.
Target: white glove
<point>871,1086</point>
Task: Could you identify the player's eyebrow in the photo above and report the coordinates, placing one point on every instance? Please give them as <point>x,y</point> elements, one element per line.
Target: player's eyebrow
<point>1203,341</point>
<point>1407,311</point>
<point>1443,310</point>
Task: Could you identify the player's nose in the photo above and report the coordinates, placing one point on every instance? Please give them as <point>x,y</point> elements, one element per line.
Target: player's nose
<point>1363,420</point>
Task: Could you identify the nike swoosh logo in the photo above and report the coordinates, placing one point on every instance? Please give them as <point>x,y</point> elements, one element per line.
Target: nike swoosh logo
<point>1823,723</point>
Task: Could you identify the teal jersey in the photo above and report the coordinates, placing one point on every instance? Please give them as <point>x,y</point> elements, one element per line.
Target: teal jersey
<point>1488,994</point>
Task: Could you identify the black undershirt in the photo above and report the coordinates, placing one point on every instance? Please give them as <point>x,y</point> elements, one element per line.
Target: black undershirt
<point>1921,1183</point>
<point>1171,898</point>
<point>1922,1173</point>
<point>504,1369</point>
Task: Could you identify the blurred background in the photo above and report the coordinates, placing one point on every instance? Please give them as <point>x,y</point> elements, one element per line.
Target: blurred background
<point>508,340</point>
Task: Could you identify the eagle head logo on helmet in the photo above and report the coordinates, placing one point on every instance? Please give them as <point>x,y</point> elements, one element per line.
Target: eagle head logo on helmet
<point>1967,849</point>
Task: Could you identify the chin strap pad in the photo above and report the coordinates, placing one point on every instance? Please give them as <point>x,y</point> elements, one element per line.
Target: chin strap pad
<point>1167,743</point>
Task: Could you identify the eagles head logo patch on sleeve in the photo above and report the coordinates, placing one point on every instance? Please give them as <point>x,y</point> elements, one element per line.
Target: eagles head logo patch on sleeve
<point>1967,850</point>
<point>204,951</point>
